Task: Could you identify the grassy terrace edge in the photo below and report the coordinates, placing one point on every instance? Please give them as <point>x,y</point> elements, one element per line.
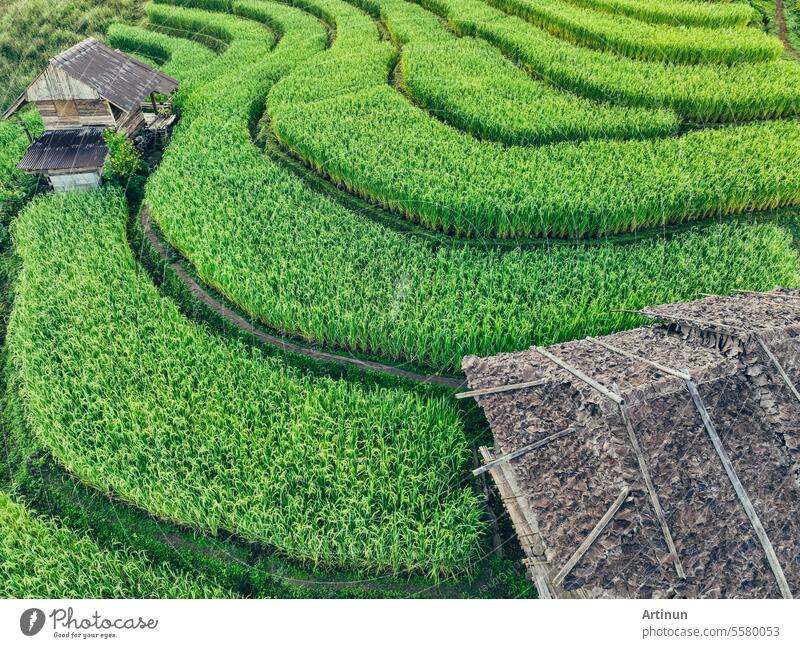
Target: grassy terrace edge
<point>416,300</point>
<point>146,415</point>
<point>39,559</point>
<point>327,113</point>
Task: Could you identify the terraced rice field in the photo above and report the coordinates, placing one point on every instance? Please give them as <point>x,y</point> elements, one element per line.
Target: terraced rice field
<point>400,182</point>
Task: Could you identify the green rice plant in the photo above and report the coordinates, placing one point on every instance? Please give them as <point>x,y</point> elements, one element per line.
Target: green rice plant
<point>458,185</point>
<point>676,12</point>
<point>328,114</point>
<point>791,12</point>
<point>352,27</point>
<point>41,560</point>
<point>645,41</point>
<point>305,265</point>
<point>178,56</point>
<point>702,93</point>
<point>140,403</point>
<point>470,85</point>
<point>247,41</point>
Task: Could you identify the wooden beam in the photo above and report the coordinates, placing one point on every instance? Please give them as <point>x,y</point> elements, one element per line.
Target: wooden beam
<point>708,324</point>
<point>780,369</point>
<point>516,454</point>
<point>501,388</point>
<point>747,505</point>
<point>589,540</point>
<point>14,107</point>
<point>651,489</point>
<point>770,295</point>
<point>581,376</point>
<point>664,369</point>
<point>525,525</point>
<point>26,129</point>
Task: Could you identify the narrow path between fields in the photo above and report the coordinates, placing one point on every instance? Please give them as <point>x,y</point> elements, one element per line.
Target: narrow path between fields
<point>783,32</point>
<point>241,323</point>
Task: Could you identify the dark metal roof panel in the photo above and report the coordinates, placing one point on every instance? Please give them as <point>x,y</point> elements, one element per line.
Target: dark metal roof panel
<point>75,148</point>
<point>117,77</point>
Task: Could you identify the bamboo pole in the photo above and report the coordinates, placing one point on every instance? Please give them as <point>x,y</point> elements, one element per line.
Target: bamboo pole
<point>516,454</point>
<point>651,489</point>
<point>589,540</point>
<point>525,526</point>
<point>664,369</point>
<point>780,369</point>
<point>581,376</point>
<point>747,505</point>
<point>500,388</point>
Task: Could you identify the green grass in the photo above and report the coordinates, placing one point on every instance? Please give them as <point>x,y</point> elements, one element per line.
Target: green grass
<point>40,560</point>
<point>645,41</point>
<point>138,402</point>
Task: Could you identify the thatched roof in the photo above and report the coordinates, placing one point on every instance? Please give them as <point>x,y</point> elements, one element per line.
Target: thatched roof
<point>568,485</point>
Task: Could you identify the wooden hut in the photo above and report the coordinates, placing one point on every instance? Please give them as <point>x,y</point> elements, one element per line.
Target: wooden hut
<point>83,91</point>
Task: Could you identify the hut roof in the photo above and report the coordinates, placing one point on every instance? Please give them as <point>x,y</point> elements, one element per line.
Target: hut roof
<point>117,77</point>
<point>75,148</point>
<point>742,353</point>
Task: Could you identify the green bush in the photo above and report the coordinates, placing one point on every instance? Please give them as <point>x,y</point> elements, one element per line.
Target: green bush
<point>123,161</point>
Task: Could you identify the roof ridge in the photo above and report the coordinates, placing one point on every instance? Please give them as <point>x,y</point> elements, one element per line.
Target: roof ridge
<point>116,76</point>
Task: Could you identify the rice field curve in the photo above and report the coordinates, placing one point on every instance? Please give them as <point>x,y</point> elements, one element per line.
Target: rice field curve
<point>130,396</point>
<point>307,266</point>
<point>451,182</point>
<point>143,405</point>
<point>33,553</point>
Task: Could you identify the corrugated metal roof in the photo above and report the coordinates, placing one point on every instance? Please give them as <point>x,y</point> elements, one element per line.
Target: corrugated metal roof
<point>75,148</point>
<point>117,77</point>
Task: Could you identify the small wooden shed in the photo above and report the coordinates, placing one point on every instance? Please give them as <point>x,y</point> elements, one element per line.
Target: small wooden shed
<point>83,91</point>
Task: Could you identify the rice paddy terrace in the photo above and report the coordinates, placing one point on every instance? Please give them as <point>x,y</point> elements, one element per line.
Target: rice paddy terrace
<point>240,381</point>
